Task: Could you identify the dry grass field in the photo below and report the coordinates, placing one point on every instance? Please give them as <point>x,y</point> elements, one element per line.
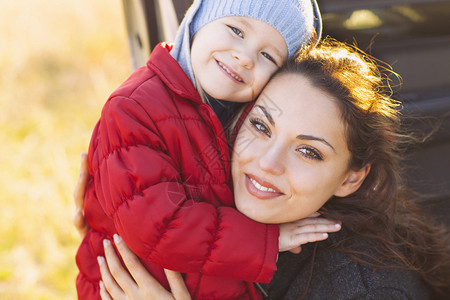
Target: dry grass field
<point>59,60</point>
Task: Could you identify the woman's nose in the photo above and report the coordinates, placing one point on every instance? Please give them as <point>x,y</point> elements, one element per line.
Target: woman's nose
<point>271,160</point>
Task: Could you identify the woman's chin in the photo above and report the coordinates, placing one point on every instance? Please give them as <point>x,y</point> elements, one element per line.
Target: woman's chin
<point>255,215</point>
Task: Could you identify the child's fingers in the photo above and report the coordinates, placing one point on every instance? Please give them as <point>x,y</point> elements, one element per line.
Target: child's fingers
<point>296,250</point>
<point>315,220</point>
<point>119,274</point>
<point>111,290</point>
<point>305,231</point>
<point>317,227</point>
<point>177,285</point>
<point>313,232</point>
<point>311,237</point>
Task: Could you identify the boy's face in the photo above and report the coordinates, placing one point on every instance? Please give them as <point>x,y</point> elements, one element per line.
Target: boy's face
<point>234,57</point>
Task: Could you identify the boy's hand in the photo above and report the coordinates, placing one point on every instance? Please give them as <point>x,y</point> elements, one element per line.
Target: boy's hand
<point>307,230</point>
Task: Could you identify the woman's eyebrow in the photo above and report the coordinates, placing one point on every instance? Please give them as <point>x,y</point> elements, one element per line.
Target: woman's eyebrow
<point>300,136</point>
<point>267,114</point>
<point>314,138</point>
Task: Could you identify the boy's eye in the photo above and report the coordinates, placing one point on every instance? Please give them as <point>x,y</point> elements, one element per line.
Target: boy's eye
<point>310,153</point>
<point>260,126</point>
<point>267,55</point>
<point>237,31</point>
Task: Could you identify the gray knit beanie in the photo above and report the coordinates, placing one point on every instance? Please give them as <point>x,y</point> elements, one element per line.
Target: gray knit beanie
<point>296,20</point>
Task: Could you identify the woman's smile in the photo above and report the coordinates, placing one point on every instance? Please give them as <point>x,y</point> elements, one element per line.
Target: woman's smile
<point>260,188</point>
<point>296,161</point>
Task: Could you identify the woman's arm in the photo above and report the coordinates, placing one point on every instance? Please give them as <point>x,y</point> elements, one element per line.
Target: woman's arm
<point>118,284</point>
<point>78,195</point>
<point>286,230</point>
<point>137,283</point>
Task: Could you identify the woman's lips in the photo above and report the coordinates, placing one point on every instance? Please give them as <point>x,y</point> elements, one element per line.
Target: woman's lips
<point>261,189</point>
<point>229,72</point>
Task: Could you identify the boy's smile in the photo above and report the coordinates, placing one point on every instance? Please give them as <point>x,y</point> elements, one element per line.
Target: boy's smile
<point>230,72</point>
<point>234,57</point>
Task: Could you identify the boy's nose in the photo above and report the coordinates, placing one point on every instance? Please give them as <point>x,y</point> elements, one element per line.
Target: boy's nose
<point>244,60</point>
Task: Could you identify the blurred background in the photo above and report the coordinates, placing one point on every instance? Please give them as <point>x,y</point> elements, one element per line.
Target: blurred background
<point>59,61</point>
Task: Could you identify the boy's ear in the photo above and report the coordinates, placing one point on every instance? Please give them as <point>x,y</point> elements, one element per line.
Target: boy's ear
<point>352,182</point>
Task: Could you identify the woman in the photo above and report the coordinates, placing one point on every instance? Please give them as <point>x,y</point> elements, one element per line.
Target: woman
<point>288,163</point>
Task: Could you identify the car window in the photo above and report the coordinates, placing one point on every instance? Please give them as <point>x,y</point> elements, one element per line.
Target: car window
<point>411,36</point>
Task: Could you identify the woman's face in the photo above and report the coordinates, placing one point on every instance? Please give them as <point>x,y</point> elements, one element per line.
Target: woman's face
<point>290,155</point>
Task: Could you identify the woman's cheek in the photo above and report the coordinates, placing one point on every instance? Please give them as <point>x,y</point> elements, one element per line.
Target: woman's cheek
<point>244,145</point>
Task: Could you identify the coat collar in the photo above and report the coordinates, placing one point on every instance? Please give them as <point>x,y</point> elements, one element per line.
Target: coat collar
<point>171,73</point>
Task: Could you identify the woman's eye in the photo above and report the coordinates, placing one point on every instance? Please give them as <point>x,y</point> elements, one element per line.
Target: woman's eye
<point>266,55</point>
<point>310,153</point>
<point>260,127</point>
<point>237,31</point>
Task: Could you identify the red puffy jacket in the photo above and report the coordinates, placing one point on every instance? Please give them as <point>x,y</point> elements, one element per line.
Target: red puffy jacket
<point>159,164</point>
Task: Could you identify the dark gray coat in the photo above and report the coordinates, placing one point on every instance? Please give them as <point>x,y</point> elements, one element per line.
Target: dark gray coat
<point>337,276</point>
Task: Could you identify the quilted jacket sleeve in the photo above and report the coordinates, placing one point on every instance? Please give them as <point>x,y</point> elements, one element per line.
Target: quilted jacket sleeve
<point>139,186</point>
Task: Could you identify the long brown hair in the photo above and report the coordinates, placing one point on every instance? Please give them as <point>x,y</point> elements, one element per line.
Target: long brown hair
<point>381,211</point>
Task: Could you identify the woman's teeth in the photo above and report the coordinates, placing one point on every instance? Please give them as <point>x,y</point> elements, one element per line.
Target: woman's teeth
<point>260,187</point>
<point>229,72</point>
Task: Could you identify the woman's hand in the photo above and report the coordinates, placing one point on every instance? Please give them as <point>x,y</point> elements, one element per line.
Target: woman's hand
<point>307,230</point>
<point>118,284</point>
<point>78,195</point>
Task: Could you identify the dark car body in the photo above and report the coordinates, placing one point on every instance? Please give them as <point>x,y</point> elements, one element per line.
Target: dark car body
<point>412,36</point>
